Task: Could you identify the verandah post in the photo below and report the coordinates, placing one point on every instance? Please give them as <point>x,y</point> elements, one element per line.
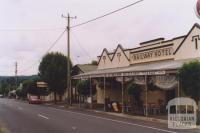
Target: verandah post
<point>91,92</point>
<point>146,96</point>
<point>104,86</point>
<point>122,94</point>
<point>178,88</point>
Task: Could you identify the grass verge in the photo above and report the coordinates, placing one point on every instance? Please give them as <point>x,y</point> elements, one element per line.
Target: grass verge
<point>198,118</point>
<point>1,131</point>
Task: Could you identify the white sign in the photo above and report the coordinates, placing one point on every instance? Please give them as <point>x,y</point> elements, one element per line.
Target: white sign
<point>151,55</point>
<point>144,73</point>
<point>42,85</point>
<point>182,113</point>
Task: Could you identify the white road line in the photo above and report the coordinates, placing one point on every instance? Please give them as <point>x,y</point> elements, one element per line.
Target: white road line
<point>118,121</point>
<point>43,116</point>
<point>74,128</point>
<point>20,108</point>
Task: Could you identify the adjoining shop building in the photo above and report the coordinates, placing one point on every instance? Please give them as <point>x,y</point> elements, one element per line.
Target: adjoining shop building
<point>153,65</point>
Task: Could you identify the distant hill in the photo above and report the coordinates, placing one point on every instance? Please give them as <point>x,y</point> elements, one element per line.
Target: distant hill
<point>19,78</point>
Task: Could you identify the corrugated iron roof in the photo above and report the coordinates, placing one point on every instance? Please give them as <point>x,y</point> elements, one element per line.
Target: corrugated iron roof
<point>87,67</point>
<point>158,66</point>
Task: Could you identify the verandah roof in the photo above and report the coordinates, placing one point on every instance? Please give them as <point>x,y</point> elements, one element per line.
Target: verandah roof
<point>150,68</point>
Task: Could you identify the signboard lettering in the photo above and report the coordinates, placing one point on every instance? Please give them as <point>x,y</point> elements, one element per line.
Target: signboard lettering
<point>149,55</point>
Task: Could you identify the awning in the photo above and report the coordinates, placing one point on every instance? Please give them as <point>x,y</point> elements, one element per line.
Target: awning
<point>150,68</point>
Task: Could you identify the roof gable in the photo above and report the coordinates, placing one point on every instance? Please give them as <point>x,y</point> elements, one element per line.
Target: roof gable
<point>120,58</point>
<point>106,52</point>
<point>186,37</point>
<point>122,49</point>
<point>104,61</point>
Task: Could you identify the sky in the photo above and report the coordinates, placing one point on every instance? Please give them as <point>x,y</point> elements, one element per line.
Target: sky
<point>29,27</point>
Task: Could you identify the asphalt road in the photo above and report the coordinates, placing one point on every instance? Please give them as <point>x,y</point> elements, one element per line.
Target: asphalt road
<point>20,117</point>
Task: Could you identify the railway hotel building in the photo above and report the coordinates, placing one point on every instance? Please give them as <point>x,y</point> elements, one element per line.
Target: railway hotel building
<point>153,65</point>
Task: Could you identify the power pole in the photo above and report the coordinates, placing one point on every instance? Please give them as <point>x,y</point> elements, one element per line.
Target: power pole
<point>68,61</point>
<point>16,70</point>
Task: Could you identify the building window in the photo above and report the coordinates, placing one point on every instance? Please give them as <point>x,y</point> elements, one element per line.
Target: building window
<point>196,43</point>
<point>173,109</point>
<point>119,56</point>
<point>104,59</point>
<point>196,39</point>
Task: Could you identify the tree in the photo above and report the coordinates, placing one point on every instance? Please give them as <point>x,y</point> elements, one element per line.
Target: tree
<point>83,88</point>
<point>4,87</point>
<point>134,90</point>
<point>189,77</point>
<point>94,62</point>
<point>19,91</point>
<point>53,71</point>
<point>26,85</point>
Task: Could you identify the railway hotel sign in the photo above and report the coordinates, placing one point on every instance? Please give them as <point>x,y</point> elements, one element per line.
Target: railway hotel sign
<point>151,55</point>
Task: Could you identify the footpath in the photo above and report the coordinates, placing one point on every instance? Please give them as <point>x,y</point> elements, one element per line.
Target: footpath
<point>121,115</point>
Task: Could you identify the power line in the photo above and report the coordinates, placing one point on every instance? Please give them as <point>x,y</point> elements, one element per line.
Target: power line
<point>79,44</point>
<point>14,30</point>
<point>107,14</point>
<point>53,44</point>
<point>102,16</point>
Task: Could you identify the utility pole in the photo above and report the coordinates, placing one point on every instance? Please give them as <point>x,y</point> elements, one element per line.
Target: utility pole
<point>16,70</point>
<point>68,61</point>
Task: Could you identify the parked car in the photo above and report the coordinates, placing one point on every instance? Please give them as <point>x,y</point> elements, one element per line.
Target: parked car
<point>1,96</point>
<point>34,100</point>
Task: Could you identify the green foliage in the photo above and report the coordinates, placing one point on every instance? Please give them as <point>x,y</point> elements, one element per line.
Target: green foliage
<point>18,92</point>
<point>198,118</point>
<point>25,88</point>
<point>83,88</point>
<point>189,77</point>
<point>10,83</point>
<point>4,87</point>
<point>53,71</point>
<point>1,130</point>
<point>134,90</point>
<point>94,62</point>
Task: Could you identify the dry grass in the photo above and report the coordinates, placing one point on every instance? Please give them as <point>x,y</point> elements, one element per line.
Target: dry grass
<point>1,131</point>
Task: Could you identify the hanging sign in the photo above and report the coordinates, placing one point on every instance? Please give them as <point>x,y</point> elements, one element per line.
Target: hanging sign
<point>166,82</point>
<point>42,85</point>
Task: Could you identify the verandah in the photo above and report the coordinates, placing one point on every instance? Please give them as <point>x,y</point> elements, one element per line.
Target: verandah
<point>165,80</point>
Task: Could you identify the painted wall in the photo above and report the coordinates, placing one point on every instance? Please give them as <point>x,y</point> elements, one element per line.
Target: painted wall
<point>186,51</point>
<point>105,61</point>
<point>153,96</point>
<point>114,94</point>
<point>119,59</point>
<point>188,48</point>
